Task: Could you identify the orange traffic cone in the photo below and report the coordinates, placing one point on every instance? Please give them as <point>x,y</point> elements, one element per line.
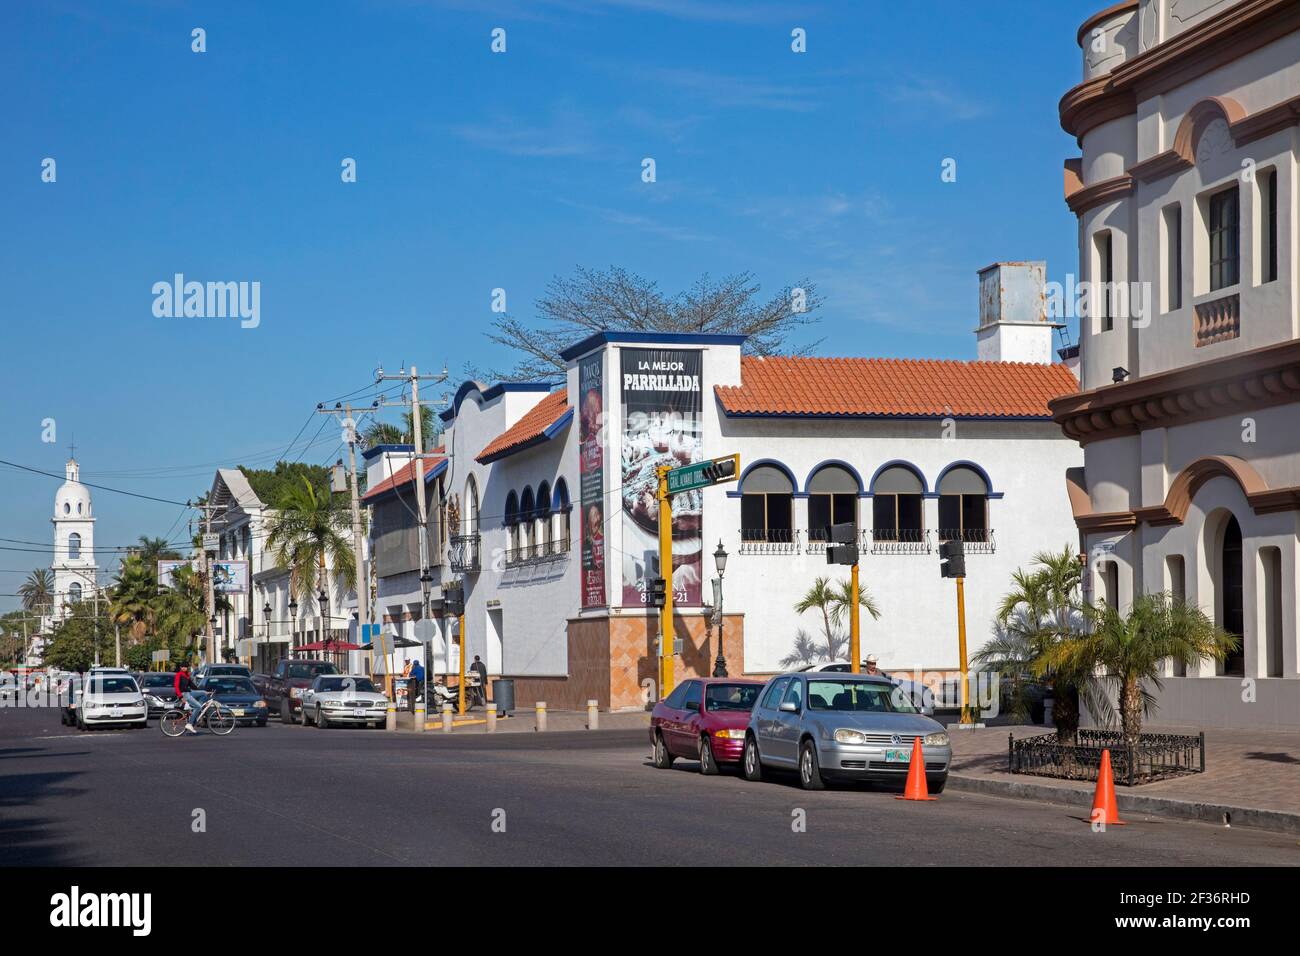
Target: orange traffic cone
<point>916,788</point>
<point>1104,808</point>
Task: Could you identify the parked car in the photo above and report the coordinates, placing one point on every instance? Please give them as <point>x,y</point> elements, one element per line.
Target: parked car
<point>204,671</point>
<point>240,696</point>
<point>69,695</point>
<point>111,697</point>
<point>922,697</point>
<point>159,689</point>
<point>703,719</point>
<point>343,699</point>
<point>283,688</point>
<point>830,725</point>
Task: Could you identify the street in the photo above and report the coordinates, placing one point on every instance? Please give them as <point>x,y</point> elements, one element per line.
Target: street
<point>301,797</point>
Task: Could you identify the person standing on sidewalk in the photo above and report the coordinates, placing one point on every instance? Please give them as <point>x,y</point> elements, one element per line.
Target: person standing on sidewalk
<point>479,668</point>
<point>415,684</point>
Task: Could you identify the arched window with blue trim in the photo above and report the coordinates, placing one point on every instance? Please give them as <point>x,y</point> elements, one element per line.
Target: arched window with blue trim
<point>527,505</point>
<point>963,505</point>
<point>543,519</point>
<point>512,525</point>
<point>897,512</point>
<point>767,506</point>
<point>562,509</point>
<point>832,499</point>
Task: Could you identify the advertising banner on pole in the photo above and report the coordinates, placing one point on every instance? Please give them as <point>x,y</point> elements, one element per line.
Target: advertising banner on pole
<point>591,475</point>
<point>662,425</point>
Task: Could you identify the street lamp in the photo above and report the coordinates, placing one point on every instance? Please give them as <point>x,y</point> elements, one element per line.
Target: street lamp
<point>293,619</point>
<point>720,562</point>
<point>266,617</point>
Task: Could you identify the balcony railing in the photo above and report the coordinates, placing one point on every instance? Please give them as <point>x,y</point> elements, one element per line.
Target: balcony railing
<point>973,540</point>
<point>552,550</point>
<point>1218,320</point>
<point>897,541</point>
<point>769,540</point>
<point>463,553</point>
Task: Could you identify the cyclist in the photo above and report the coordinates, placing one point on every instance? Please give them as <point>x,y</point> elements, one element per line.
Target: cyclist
<point>186,691</point>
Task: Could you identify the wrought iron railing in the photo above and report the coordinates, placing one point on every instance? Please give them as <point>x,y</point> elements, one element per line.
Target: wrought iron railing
<point>897,541</point>
<point>1155,757</point>
<point>551,550</point>
<point>769,540</point>
<point>973,540</point>
<point>463,553</point>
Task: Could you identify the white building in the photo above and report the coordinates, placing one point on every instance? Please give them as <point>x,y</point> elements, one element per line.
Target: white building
<point>74,567</point>
<point>539,500</point>
<point>1186,189</point>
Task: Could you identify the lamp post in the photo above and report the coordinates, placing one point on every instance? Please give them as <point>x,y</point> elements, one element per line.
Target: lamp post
<point>720,562</point>
<point>293,620</point>
<point>266,616</point>
<point>212,622</point>
<point>324,600</point>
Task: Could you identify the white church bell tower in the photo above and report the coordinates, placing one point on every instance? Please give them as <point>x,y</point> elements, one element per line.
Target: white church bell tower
<point>74,566</point>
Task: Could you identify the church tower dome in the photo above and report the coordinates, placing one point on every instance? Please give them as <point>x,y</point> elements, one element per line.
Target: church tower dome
<point>74,567</point>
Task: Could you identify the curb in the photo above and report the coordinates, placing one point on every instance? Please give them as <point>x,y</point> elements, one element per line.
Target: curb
<point>1277,821</point>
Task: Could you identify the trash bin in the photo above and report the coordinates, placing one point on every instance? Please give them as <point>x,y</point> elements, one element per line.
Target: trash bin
<point>503,695</point>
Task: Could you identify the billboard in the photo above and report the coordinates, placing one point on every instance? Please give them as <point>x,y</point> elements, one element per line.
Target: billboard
<point>591,478</point>
<point>165,569</point>
<point>230,577</point>
<point>662,425</point>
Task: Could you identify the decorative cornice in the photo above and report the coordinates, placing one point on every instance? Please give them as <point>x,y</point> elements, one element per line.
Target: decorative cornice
<point>1237,383</point>
<point>1123,7</point>
<point>1108,190</point>
<point>1207,46</point>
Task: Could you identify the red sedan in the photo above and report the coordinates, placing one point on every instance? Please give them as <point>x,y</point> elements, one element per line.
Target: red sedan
<point>703,719</point>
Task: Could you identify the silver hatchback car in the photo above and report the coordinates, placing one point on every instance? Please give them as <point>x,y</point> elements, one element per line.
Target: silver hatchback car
<point>846,726</point>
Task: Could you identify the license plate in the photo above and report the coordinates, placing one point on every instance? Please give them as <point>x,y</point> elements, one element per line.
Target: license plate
<point>238,712</point>
<point>898,756</point>
<point>117,713</point>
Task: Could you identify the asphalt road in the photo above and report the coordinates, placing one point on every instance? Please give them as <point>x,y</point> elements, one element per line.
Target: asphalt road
<point>292,795</point>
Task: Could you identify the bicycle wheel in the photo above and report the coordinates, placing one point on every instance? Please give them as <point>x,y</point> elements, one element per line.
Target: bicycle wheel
<point>172,723</point>
<point>221,722</point>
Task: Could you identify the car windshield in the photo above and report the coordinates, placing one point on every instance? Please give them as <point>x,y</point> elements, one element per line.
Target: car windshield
<point>237,669</point>
<point>158,680</point>
<point>347,683</point>
<point>112,685</point>
<point>858,697</point>
<point>726,697</point>
<point>306,671</point>
<point>229,685</point>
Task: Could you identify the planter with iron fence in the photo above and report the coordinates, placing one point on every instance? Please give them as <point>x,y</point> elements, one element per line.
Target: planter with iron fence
<point>1156,756</point>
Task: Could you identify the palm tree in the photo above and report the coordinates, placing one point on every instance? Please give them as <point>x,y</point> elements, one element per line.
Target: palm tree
<point>307,530</point>
<point>806,651</point>
<point>834,601</point>
<point>37,590</point>
<point>134,598</point>
<point>153,550</point>
<point>842,601</point>
<point>1130,648</point>
<point>384,433</point>
<point>820,596</point>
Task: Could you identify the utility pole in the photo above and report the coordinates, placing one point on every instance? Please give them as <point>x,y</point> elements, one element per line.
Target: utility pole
<point>358,551</point>
<point>413,378</point>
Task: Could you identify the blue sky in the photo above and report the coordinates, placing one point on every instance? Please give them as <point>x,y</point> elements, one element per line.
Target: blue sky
<point>474,171</point>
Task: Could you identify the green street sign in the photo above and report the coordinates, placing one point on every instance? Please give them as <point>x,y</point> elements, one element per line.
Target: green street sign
<point>702,474</point>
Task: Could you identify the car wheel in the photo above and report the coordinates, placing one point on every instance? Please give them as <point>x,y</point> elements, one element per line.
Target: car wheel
<point>810,771</point>
<point>321,721</point>
<point>936,788</point>
<point>143,725</point>
<point>708,765</point>
<point>262,722</point>
<point>751,764</point>
<point>63,716</point>
<point>81,724</point>
<point>663,759</point>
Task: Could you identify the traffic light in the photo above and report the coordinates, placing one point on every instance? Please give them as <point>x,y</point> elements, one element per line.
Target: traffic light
<point>843,547</point>
<point>721,469</point>
<point>657,594</point>
<point>453,600</point>
<point>952,559</point>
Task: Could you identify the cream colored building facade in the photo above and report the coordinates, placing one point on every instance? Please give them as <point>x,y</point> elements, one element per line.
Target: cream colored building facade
<point>1189,409</point>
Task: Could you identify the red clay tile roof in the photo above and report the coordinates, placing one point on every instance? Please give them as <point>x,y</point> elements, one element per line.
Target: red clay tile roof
<point>530,429</point>
<point>403,475</point>
<point>903,388</point>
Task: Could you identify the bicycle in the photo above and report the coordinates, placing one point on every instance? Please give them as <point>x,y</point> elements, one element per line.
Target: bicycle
<point>219,720</point>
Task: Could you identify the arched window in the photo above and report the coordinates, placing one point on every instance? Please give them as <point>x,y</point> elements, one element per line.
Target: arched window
<point>560,505</point>
<point>74,592</point>
<point>896,512</point>
<point>512,526</point>
<point>471,506</point>
<point>78,507</point>
<point>74,546</point>
<point>832,499</point>
<point>1232,584</point>
<point>526,508</point>
<point>963,505</point>
<point>542,519</point>
<point>767,506</point>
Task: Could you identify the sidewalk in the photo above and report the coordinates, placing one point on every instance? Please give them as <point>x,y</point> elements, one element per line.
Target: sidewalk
<point>1253,776</point>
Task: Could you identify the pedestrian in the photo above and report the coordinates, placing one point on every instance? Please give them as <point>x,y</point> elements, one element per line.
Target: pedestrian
<point>414,683</point>
<point>479,668</point>
<point>872,669</point>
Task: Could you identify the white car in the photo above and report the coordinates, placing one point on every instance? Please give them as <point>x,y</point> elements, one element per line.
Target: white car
<point>921,696</point>
<point>111,697</point>
<point>334,699</point>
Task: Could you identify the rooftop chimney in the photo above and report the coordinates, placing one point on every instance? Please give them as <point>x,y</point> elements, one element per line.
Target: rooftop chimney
<point>1013,314</point>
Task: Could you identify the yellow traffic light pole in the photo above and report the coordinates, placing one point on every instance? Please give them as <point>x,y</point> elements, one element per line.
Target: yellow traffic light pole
<point>666,642</point>
<point>966,717</point>
<point>461,686</point>
<point>855,643</point>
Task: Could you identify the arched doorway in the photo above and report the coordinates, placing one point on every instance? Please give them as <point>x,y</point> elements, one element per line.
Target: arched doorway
<point>1231,586</point>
